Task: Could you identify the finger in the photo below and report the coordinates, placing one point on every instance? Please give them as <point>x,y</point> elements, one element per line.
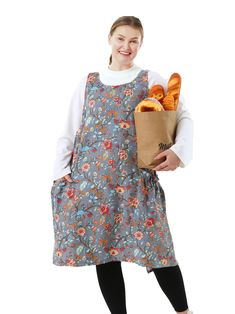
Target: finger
<point>68,178</point>
<point>169,168</point>
<point>159,156</point>
<point>162,154</point>
<point>162,165</point>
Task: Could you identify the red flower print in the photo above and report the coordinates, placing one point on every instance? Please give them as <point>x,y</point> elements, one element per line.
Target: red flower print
<point>164,261</point>
<point>70,262</point>
<point>81,231</point>
<point>85,167</point>
<point>91,103</point>
<point>102,242</point>
<point>117,99</point>
<point>115,121</point>
<point>118,218</point>
<point>107,144</point>
<point>113,251</point>
<point>128,92</point>
<point>138,235</point>
<point>111,162</point>
<point>107,227</point>
<point>91,78</point>
<point>112,112</point>
<point>124,125</point>
<point>122,154</point>
<point>59,253</point>
<point>70,193</point>
<point>57,217</point>
<point>104,209</point>
<point>133,201</point>
<point>149,222</point>
<point>120,189</point>
<point>107,177</point>
<point>145,190</point>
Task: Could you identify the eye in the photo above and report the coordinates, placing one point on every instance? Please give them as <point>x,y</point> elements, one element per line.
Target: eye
<point>120,38</point>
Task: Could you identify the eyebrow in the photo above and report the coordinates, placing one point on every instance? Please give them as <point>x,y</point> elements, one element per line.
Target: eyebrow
<point>131,38</point>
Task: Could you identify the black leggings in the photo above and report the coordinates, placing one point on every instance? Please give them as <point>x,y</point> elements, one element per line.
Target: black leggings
<point>112,286</point>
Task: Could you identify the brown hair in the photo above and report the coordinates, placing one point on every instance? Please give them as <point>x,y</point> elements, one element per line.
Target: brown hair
<point>127,20</point>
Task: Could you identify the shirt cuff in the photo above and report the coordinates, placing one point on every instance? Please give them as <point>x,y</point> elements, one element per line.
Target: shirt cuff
<point>183,163</point>
<point>59,174</point>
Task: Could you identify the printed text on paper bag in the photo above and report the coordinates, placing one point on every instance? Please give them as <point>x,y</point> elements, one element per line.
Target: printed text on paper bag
<point>163,146</point>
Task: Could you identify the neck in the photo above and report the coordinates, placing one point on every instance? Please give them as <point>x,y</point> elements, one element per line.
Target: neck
<point>120,67</point>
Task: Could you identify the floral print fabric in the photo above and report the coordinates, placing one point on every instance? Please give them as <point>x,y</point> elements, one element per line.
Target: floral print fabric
<point>112,211</point>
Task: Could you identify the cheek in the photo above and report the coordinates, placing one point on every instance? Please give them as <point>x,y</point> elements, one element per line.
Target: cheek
<point>135,48</point>
<point>134,51</point>
<point>116,45</point>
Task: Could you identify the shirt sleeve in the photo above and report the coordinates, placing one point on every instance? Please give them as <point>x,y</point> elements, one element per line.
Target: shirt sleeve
<point>65,142</point>
<point>183,146</point>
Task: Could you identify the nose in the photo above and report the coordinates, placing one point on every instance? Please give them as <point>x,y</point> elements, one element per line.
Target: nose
<point>126,45</point>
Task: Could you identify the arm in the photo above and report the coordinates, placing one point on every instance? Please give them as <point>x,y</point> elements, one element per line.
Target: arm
<point>65,142</point>
<point>183,146</point>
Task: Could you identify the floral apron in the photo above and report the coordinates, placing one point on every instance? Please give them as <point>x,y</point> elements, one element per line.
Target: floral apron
<point>112,211</point>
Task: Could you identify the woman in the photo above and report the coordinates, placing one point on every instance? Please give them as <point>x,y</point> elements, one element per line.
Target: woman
<point>105,209</point>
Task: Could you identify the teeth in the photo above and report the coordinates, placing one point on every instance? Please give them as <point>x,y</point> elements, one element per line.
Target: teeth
<point>124,53</point>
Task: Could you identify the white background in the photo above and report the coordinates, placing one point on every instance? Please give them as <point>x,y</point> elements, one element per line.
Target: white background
<point>46,48</point>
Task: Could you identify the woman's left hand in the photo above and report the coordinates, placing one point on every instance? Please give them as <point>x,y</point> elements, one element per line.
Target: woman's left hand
<point>171,163</point>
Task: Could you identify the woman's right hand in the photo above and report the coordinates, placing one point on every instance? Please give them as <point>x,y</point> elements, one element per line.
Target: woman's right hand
<point>68,178</point>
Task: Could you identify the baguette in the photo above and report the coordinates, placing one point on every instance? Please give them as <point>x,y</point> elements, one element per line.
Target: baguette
<point>174,85</point>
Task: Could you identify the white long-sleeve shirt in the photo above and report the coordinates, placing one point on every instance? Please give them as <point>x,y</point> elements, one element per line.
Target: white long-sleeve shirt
<point>183,146</point>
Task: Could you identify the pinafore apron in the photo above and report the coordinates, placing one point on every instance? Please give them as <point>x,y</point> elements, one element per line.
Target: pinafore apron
<point>112,211</point>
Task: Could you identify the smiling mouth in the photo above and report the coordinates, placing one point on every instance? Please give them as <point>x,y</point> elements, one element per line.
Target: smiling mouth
<point>125,53</point>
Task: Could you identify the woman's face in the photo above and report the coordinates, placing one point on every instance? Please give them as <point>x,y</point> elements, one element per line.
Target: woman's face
<point>125,43</point>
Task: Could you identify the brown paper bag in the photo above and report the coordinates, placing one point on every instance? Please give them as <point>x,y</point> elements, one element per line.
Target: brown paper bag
<point>155,132</point>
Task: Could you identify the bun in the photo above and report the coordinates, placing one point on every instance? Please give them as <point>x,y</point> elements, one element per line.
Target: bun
<point>157,92</point>
<point>149,104</point>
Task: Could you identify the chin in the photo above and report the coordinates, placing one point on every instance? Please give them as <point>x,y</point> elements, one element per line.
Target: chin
<point>125,60</point>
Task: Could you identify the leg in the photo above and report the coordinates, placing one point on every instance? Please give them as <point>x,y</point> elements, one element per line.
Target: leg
<point>112,286</point>
<point>171,281</point>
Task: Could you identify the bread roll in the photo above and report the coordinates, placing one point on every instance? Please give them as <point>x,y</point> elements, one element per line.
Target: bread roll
<point>149,104</point>
<point>157,91</point>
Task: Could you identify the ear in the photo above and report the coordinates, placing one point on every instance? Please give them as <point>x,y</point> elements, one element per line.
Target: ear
<point>109,37</point>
